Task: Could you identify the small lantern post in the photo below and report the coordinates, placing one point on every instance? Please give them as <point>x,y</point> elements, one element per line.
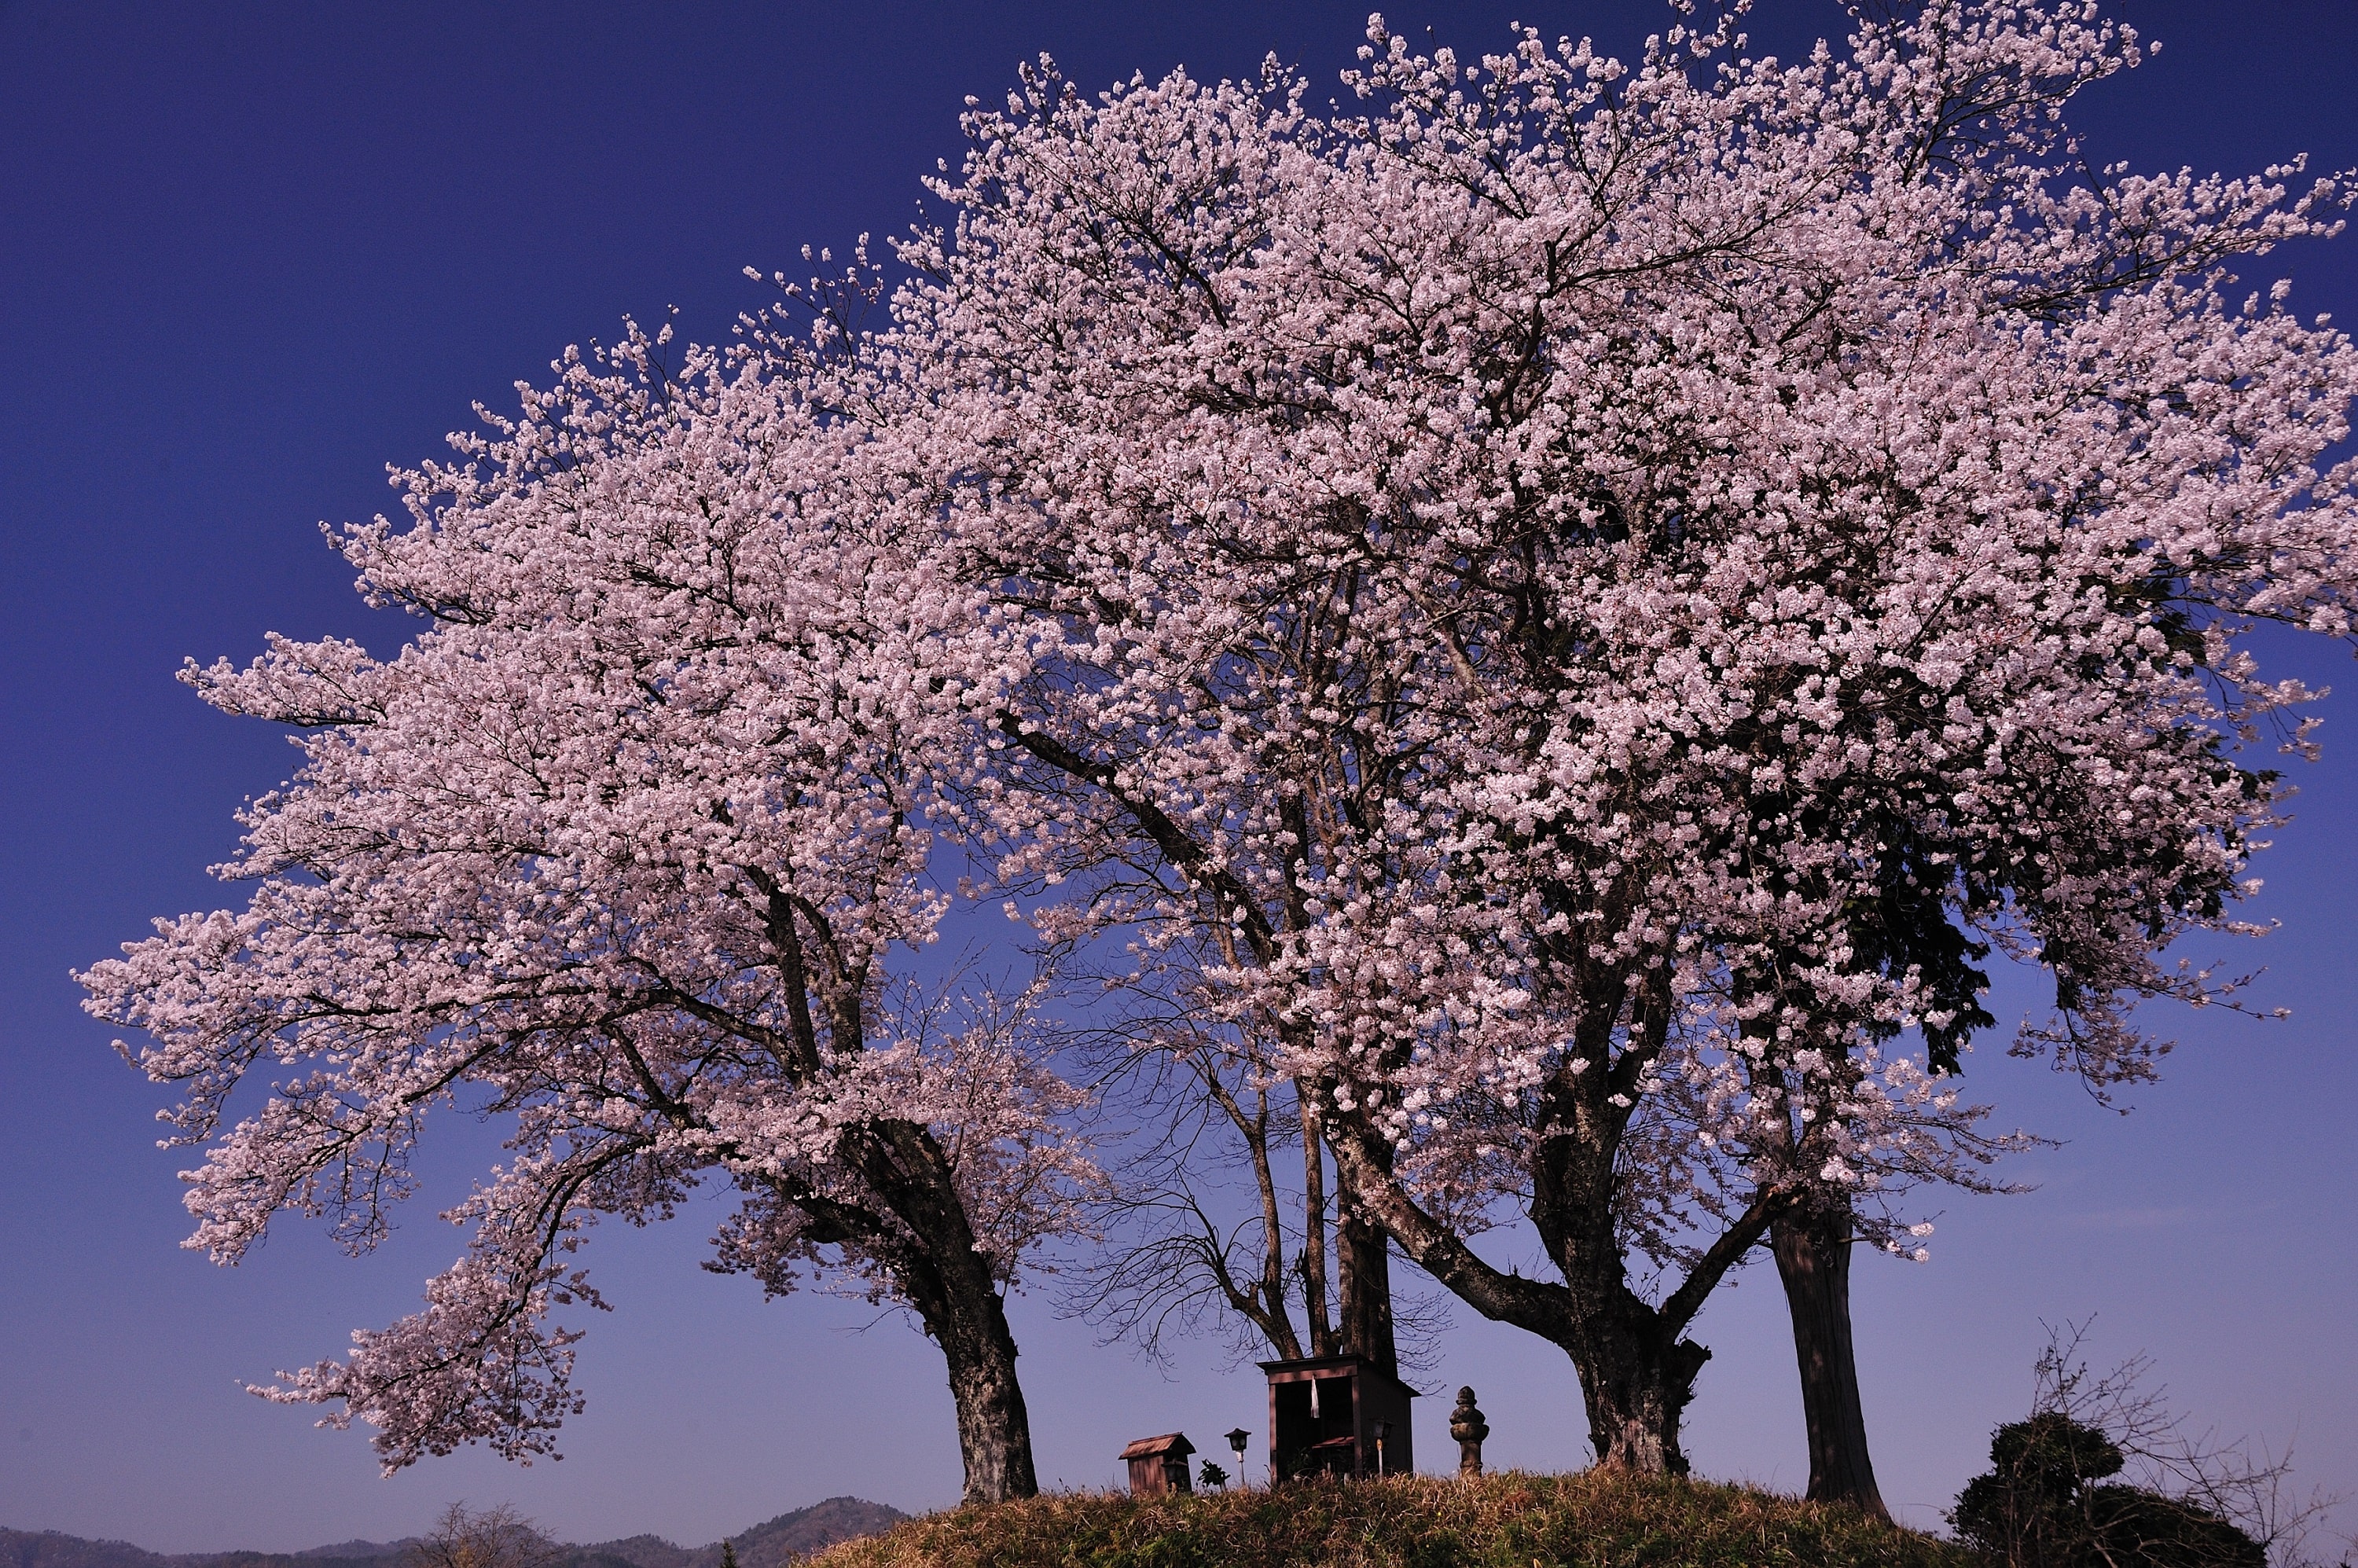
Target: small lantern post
<point>1237,1437</point>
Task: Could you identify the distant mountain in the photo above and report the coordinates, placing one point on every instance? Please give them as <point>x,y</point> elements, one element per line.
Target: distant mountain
<point>802,1532</point>
<point>50,1549</point>
<point>770,1545</point>
<point>47,1549</point>
<point>639,1552</point>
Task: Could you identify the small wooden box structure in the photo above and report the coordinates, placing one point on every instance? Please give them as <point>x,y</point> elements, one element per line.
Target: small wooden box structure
<point>1158,1466</point>
<point>1338,1415</point>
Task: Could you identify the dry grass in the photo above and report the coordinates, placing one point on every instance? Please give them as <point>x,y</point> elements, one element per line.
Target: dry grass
<point>1591,1520</point>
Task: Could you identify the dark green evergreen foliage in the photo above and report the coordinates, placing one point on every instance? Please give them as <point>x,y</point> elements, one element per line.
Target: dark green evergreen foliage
<point>2138,1526</point>
<point>1214,1476</point>
<point>2037,1508</point>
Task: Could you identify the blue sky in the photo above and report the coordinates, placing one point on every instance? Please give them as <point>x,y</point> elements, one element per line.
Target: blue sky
<point>249,255</point>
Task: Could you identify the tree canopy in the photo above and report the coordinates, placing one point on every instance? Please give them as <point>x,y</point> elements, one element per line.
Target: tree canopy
<point>1563,608</point>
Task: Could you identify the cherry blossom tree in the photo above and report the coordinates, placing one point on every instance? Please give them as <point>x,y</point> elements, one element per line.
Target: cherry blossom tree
<point>1597,593</point>
<point>1566,609</point>
<point>630,849</point>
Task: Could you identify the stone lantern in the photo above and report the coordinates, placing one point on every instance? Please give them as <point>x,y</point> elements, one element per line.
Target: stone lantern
<point>1466,1425</point>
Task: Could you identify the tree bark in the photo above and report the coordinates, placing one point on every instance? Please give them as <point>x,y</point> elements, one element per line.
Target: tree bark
<point>994,1427</point>
<point>1636,1370</point>
<point>1636,1381</point>
<point>940,1268</point>
<point>947,1278</point>
<point>1364,1275</point>
<point>1813,1246</point>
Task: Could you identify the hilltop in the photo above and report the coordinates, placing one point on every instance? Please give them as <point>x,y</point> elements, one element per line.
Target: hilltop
<point>1416,1522</point>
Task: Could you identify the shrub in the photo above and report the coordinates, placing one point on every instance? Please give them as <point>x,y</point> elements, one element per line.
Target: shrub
<point>2035,1508</point>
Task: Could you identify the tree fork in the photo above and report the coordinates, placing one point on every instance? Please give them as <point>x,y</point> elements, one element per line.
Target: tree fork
<point>1637,1376</point>
<point>1636,1373</point>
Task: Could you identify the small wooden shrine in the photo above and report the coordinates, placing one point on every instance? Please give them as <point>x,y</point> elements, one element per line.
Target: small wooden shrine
<point>1158,1466</point>
<point>1338,1415</point>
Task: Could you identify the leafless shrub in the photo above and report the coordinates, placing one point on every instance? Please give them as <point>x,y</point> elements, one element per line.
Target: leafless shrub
<point>2240,1479</point>
<point>484,1538</point>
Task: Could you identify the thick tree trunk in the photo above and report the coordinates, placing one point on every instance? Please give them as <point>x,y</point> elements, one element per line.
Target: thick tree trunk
<point>994,1428</point>
<point>1636,1381</point>
<point>940,1270</point>
<point>947,1278</point>
<point>1812,1249</point>
<point>1636,1370</point>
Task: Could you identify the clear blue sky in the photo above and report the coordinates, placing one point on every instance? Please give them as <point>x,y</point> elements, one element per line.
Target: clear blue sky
<point>249,254</point>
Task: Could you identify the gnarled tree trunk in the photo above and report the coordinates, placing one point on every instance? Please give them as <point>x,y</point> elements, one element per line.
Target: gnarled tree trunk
<point>1637,1376</point>
<point>1636,1370</point>
<point>994,1428</point>
<point>949,1280</point>
<point>1812,1249</point>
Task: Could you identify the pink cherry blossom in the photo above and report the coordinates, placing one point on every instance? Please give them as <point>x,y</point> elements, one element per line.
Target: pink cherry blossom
<point>632,848</point>
<point>1561,608</point>
<point>1582,601</point>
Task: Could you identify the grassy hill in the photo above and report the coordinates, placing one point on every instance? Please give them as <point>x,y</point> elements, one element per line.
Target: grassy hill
<point>1591,1519</point>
